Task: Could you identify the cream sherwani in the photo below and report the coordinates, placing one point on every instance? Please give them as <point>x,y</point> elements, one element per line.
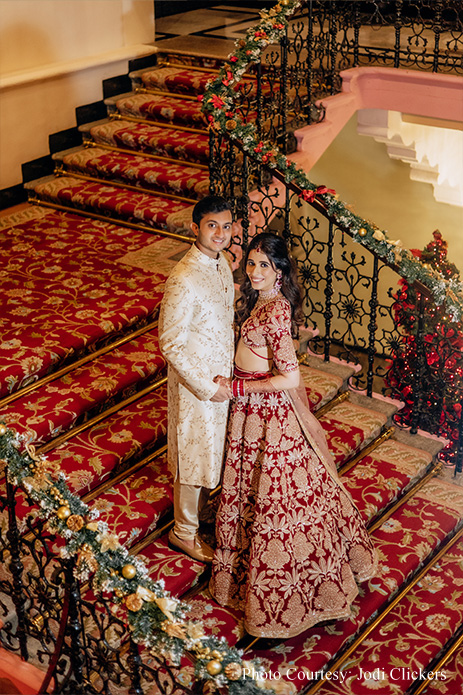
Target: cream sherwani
<point>196,338</point>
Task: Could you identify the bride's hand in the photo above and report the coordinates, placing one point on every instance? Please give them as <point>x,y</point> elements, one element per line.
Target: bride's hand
<point>222,381</point>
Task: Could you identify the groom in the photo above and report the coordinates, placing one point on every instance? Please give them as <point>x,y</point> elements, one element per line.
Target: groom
<point>196,338</point>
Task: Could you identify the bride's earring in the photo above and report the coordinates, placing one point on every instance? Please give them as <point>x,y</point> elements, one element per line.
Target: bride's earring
<point>278,282</point>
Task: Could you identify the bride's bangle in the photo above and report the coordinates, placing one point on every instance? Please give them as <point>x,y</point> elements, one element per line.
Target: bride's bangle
<point>237,387</point>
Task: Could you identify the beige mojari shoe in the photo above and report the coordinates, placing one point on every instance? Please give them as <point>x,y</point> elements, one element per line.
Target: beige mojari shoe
<point>201,551</point>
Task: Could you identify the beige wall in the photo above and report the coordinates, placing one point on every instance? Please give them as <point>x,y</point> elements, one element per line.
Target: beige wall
<point>54,55</point>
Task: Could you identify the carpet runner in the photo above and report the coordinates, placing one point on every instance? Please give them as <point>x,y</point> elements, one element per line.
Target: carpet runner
<point>135,170</point>
<point>72,283</point>
<point>148,138</point>
<point>173,215</point>
<point>173,110</point>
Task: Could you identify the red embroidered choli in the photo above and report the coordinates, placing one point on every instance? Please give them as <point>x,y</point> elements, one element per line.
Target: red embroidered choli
<point>291,545</point>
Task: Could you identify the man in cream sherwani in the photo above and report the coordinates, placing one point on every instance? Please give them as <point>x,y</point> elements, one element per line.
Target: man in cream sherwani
<point>196,338</point>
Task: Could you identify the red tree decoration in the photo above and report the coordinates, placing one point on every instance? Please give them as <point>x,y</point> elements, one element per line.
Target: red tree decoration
<point>441,378</point>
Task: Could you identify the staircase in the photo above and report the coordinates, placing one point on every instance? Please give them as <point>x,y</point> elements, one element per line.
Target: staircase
<point>84,381</point>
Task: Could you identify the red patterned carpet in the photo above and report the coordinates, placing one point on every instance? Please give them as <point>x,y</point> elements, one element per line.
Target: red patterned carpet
<point>64,288</point>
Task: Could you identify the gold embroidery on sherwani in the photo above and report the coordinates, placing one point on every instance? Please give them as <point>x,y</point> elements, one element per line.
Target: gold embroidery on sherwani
<point>196,337</point>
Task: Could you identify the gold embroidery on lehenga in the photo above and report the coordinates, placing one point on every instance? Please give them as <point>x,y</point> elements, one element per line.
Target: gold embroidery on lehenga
<point>290,543</point>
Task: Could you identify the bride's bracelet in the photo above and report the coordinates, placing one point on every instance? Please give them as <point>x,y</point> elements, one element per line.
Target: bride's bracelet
<point>237,387</point>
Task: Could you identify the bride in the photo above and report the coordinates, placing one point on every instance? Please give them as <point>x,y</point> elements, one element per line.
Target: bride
<point>291,545</point>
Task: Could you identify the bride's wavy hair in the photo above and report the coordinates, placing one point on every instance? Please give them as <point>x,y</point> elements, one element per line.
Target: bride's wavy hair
<point>276,250</point>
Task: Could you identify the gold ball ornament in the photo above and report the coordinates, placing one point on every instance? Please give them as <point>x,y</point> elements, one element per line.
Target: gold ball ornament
<point>214,667</point>
<point>233,671</point>
<point>134,603</point>
<point>63,512</point>
<point>426,266</point>
<point>362,232</point>
<point>129,571</point>
<point>75,522</point>
<point>3,430</point>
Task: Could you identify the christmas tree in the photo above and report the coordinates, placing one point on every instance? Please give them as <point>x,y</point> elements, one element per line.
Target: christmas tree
<point>428,375</point>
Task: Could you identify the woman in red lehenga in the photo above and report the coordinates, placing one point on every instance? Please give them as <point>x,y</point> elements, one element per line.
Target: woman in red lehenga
<point>290,543</point>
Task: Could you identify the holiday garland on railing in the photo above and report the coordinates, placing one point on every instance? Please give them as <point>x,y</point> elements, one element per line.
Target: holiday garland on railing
<point>157,620</point>
<point>219,105</point>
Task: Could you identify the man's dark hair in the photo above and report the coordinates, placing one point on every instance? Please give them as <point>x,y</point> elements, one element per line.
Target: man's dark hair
<point>211,203</point>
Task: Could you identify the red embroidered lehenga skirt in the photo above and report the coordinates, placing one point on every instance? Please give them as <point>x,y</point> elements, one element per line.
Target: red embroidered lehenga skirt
<point>291,546</point>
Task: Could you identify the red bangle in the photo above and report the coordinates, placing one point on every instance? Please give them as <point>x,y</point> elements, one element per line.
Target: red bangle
<point>237,387</point>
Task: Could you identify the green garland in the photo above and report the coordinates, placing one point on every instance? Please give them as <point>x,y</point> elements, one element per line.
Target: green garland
<point>219,106</point>
<point>157,620</point>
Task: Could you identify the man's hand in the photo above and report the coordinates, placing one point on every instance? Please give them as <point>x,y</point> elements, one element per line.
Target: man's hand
<point>224,392</point>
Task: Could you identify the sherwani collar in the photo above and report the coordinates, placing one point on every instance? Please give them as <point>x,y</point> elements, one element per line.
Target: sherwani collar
<point>201,257</point>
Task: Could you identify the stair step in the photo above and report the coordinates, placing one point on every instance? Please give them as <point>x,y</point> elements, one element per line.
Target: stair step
<point>404,542</point>
<point>177,571</point>
<point>411,636</point>
<point>153,210</point>
<point>149,139</point>
<point>152,107</point>
<point>383,476</point>
<point>338,372</point>
<point>177,79</point>
<point>91,457</point>
<point>350,427</point>
<point>115,443</point>
<point>60,405</point>
<point>57,303</point>
<point>186,80</point>
<point>135,170</point>
<point>321,386</point>
<point>132,508</point>
<point>453,673</point>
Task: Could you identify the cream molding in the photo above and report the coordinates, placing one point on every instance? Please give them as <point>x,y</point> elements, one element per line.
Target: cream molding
<point>53,70</point>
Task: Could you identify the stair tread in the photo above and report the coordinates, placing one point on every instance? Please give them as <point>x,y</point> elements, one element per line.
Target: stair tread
<point>453,671</point>
<point>411,636</point>
<point>132,508</point>
<point>155,210</point>
<point>57,406</point>
<point>56,304</point>
<point>174,110</point>
<point>136,170</point>
<point>183,80</point>
<point>349,427</point>
<point>150,138</point>
<point>177,571</point>
<point>403,541</point>
<point>320,385</point>
<point>90,457</point>
<point>335,367</point>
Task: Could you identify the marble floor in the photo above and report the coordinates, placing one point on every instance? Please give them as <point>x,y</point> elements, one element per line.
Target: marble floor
<point>211,31</point>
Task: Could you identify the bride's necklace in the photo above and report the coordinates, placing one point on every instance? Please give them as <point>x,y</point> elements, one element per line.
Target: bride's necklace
<point>265,297</point>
